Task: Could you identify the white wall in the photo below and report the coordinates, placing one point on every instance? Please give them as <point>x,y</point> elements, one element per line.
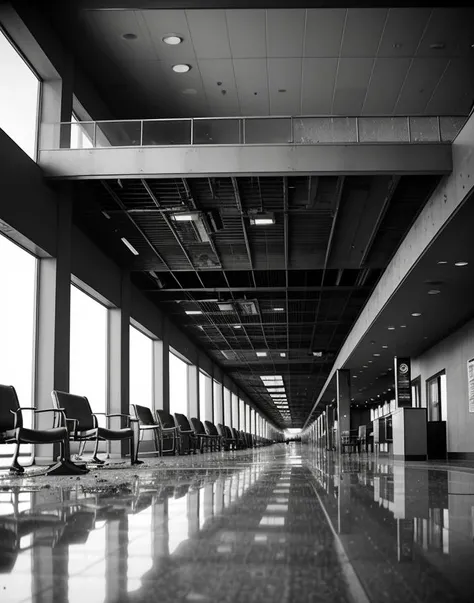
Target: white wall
<point>452,355</point>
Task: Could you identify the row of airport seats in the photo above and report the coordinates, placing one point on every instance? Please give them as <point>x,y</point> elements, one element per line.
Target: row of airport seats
<point>176,434</point>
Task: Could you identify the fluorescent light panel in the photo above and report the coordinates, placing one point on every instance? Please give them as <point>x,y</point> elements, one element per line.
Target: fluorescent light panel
<point>193,312</point>
<point>129,245</point>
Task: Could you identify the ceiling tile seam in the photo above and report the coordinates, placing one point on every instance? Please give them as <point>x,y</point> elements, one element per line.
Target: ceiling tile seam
<point>302,60</point>
<point>338,61</point>
<point>402,87</point>
<point>374,62</point>
<point>266,63</point>
<point>196,58</point>
<point>437,85</point>
<point>232,63</point>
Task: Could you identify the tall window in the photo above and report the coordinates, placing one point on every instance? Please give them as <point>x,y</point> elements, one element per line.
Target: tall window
<point>141,368</point>
<point>436,397</point>
<point>218,418</point>
<point>227,409</point>
<point>205,397</point>
<point>247,419</point>
<point>19,94</point>
<point>178,385</point>
<point>235,411</point>
<point>17,324</point>
<point>88,362</point>
<point>242,415</point>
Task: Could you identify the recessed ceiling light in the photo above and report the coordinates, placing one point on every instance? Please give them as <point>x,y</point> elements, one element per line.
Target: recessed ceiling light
<point>365,366</point>
<point>278,309</point>
<point>172,39</point>
<point>438,46</point>
<point>129,245</point>
<point>442,262</point>
<point>376,355</point>
<point>237,326</point>
<point>370,361</point>
<point>434,292</point>
<point>283,354</point>
<point>129,36</point>
<point>184,217</point>
<point>193,312</point>
<point>461,263</point>
<point>416,314</point>
<point>385,347</point>
<point>262,219</point>
<point>181,68</point>
<point>261,354</point>
<point>391,328</point>
<point>403,326</point>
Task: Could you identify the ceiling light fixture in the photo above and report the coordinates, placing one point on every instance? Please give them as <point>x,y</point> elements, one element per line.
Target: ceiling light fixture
<point>129,245</point>
<point>461,263</point>
<point>237,326</point>
<point>261,354</point>
<point>262,219</point>
<point>181,68</point>
<point>376,355</point>
<point>442,262</point>
<point>416,314</point>
<point>385,347</point>
<point>172,39</point>
<point>434,292</point>
<point>391,328</point>
<point>193,312</point>
<point>278,309</point>
<point>283,354</point>
<point>403,326</point>
<point>185,217</point>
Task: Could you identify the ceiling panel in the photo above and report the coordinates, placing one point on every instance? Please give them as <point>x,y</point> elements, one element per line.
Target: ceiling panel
<point>403,31</point>
<point>324,32</point>
<point>362,32</point>
<point>284,74</point>
<point>351,85</point>
<point>419,85</point>
<point>251,77</point>
<point>455,91</point>
<point>318,85</point>
<point>247,33</point>
<point>222,99</point>
<point>209,33</point>
<point>285,32</point>
<point>451,28</point>
<point>385,84</point>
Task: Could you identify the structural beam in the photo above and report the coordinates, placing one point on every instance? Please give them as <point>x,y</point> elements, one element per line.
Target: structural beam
<point>254,160</point>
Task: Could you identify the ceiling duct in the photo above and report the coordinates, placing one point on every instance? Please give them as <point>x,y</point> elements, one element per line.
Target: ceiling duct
<point>248,307</point>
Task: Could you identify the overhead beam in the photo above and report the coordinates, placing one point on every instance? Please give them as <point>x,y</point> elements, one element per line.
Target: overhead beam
<point>310,289</point>
<point>252,160</point>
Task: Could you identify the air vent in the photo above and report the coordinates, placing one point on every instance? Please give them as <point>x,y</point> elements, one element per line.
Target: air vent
<point>248,307</point>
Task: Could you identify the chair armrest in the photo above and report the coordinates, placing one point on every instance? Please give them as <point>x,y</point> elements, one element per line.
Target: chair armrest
<point>56,411</point>
<point>115,414</point>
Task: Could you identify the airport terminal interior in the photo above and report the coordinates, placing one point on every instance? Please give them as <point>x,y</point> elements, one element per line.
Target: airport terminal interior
<point>236,301</point>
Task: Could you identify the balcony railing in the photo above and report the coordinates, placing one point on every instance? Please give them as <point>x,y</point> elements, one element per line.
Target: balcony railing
<point>251,131</point>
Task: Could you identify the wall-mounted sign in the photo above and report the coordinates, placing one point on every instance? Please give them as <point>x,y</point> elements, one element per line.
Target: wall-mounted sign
<point>402,382</point>
<point>470,383</point>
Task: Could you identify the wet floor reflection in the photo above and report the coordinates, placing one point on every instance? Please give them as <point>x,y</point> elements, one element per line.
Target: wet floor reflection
<point>407,529</point>
<point>288,525</point>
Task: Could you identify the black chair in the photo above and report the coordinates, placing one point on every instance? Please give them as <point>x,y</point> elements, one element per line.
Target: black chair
<point>238,439</point>
<point>211,430</point>
<point>146,422</point>
<point>13,432</point>
<point>188,440</point>
<point>83,425</point>
<point>168,430</point>
<point>205,440</point>
<point>226,435</point>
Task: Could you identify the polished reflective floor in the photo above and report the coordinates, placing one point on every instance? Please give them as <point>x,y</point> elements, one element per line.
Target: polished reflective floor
<point>283,523</point>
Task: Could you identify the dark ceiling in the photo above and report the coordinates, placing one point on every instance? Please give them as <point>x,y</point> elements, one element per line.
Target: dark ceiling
<point>308,275</point>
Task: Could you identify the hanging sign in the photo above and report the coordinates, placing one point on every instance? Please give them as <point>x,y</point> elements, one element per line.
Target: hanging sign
<point>402,382</point>
<point>470,383</point>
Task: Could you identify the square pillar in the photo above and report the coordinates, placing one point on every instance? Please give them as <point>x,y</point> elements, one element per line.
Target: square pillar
<point>165,366</point>
<point>53,323</point>
<point>56,107</point>
<point>343,387</point>
<point>193,391</point>
<point>119,365</point>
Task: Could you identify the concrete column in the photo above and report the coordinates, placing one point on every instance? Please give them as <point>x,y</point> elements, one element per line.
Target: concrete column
<point>193,391</point>
<point>53,322</point>
<point>119,364</point>
<point>343,386</point>
<point>56,107</point>
<point>165,360</point>
<point>218,404</point>
<point>329,427</point>
<point>157,375</point>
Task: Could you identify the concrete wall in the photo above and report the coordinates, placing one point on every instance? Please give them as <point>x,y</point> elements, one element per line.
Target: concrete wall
<point>452,355</point>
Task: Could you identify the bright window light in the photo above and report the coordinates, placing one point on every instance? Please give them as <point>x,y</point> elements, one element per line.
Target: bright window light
<point>19,94</point>
<point>141,368</point>
<point>178,385</point>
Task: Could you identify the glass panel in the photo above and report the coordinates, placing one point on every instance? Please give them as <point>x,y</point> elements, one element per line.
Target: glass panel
<point>268,131</point>
<point>383,129</point>
<point>88,361</point>
<point>178,385</point>
<point>17,326</point>
<point>217,403</point>
<point>242,415</point>
<point>19,92</point>
<point>166,133</point>
<point>311,130</point>
<point>82,134</point>
<point>235,411</point>
<point>118,133</point>
<point>227,411</point>
<point>141,368</point>
<point>450,127</point>
<point>424,129</point>
<point>217,131</point>
<point>433,400</point>
<point>205,397</point>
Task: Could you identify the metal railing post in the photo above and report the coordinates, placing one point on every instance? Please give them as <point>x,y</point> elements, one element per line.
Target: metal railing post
<point>409,128</point>
<point>192,131</point>
<point>141,132</point>
<point>357,130</point>
<point>243,130</point>
<point>94,141</point>
<point>439,128</point>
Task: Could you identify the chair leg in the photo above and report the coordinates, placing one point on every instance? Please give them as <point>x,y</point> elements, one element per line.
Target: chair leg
<point>15,467</point>
<point>95,459</point>
<point>135,444</point>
